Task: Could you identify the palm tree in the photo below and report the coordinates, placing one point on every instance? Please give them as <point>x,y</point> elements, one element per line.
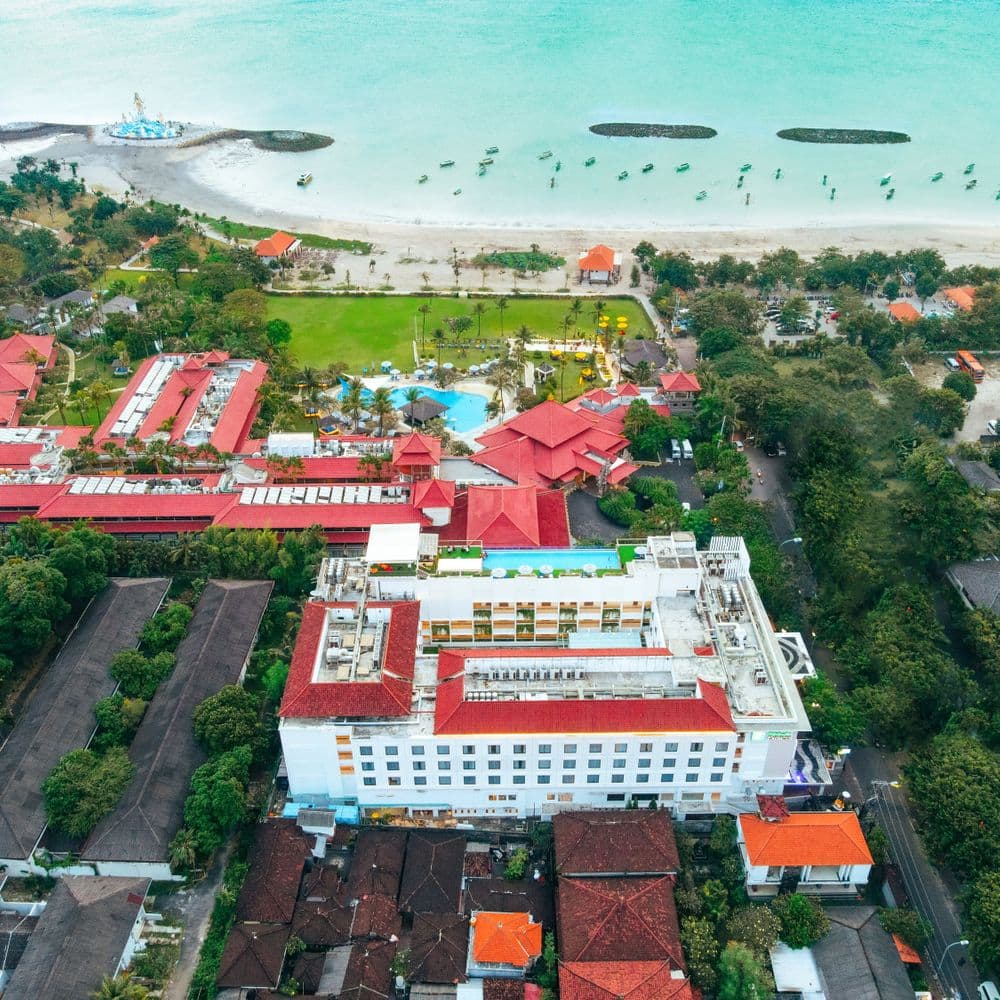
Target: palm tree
<point>412,395</point>
<point>439,341</point>
<point>643,373</point>
<point>576,307</point>
<point>567,322</point>
<point>423,309</point>
<point>352,402</point>
<point>83,402</point>
<point>426,279</point>
<point>308,379</point>
<point>120,987</point>
<point>599,307</point>
<point>524,335</point>
<point>381,405</point>
<point>502,303</point>
<point>183,849</point>
<point>479,310</point>
<point>562,377</point>
<point>503,378</point>
<point>100,392</point>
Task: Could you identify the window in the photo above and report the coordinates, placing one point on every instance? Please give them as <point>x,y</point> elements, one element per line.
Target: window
<point>494,779</point>
<point>718,762</point>
<point>444,765</point>
<point>642,779</point>
<point>716,777</point>
<point>545,764</point>
<point>617,779</point>
<point>645,748</point>
<point>520,748</point>
<point>568,779</point>
<point>595,747</point>
<point>697,747</point>
<point>667,776</point>
<point>670,747</point>
<point>417,751</point>
<point>469,780</point>
<point>468,765</point>
<point>736,768</point>
<point>520,765</point>
<point>621,748</point>
<point>494,749</point>
<point>444,779</point>
<point>443,750</point>
<point>721,747</point>
<point>693,796</point>
<point>569,764</point>
<point>369,782</point>
<point>519,779</point>
<point>545,748</point>
<point>618,763</point>
<point>616,796</point>
<point>593,779</point>
<point>419,781</point>
<point>694,762</point>
<point>367,765</point>
<point>419,765</point>
<point>366,751</point>
<point>493,765</point>
<point>644,762</point>
<point>569,748</point>
<point>594,765</point>
<point>544,779</point>
<point>691,778</point>
<point>392,751</point>
<point>669,761</point>
<point>393,765</point>
<point>469,748</point>
<point>774,873</point>
<point>394,782</point>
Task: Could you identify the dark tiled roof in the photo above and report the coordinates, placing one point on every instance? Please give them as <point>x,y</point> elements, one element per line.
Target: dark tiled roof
<point>615,841</point>
<point>478,865</point>
<point>80,938</point>
<point>253,955</point>
<point>432,875</point>
<point>375,916</point>
<point>272,883</point>
<point>59,717</point>
<point>439,948</point>
<point>308,970</point>
<point>637,351</point>
<point>322,925</point>
<point>165,752</point>
<point>320,882</point>
<point>979,580</point>
<point>369,976</point>
<point>15,930</point>
<point>377,863</point>
<point>498,895</point>
<point>618,920</point>
<point>503,989</point>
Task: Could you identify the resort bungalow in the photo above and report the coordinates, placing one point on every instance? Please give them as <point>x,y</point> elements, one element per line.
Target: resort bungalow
<point>600,265</point>
<point>817,853</point>
<point>636,352</point>
<point>679,391</point>
<point>963,297</point>
<point>277,246</point>
<point>66,307</point>
<point>903,312</point>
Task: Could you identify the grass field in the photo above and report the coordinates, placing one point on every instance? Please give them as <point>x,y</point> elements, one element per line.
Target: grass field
<point>135,279</point>
<point>243,231</point>
<point>362,332</point>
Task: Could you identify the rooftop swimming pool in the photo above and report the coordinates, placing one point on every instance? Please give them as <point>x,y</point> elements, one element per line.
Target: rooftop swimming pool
<point>556,558</point>
<point>466,410</point>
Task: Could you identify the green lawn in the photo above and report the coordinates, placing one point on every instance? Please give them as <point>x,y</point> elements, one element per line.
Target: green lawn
<point>363,332</point>
<point>243,231</point>
<point>135,279</point>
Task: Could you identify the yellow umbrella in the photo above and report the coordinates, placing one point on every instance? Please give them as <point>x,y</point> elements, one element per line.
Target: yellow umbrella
<point>555,353</point>
<point>604,319</point>
<point>623,319</point>
<point>581,355</point>
<point>603,324</point>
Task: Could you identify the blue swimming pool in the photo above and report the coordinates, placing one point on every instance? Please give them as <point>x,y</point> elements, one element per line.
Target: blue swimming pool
<point>466,410</point>
<point>556,558</point>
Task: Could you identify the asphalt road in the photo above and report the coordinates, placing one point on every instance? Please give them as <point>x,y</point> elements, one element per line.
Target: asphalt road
<point>929,895</point>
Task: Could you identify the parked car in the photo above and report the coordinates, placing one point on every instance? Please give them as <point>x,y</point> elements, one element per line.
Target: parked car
<point>992,427</point>
<point>988,991</point>
<point>781,450</point>
<point>771,450</point>
<point>952,365</point>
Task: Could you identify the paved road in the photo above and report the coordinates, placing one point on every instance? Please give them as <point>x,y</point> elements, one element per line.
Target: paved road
<point>930,897</point>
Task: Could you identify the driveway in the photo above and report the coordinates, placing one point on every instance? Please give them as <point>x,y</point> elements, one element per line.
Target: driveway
<point>681,474</point>
<point>928,893</point>
<point>586,521</point>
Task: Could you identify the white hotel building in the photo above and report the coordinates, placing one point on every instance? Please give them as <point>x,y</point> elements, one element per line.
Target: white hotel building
<point>436,692</point>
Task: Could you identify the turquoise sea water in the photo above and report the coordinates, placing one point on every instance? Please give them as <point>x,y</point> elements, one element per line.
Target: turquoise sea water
<point>404,84</point>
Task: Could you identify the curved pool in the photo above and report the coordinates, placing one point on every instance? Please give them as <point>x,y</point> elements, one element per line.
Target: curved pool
<point>466,410</point>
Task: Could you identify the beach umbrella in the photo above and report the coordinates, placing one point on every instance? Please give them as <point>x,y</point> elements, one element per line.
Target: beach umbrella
<point>545,570</point>
<point>622,319</point>
<point>395,373</point>
<point>604,319</point>
<point>498,573</point>
<point>431,365</point>
<point>419,373</point>
<point>386,366</point>
<point>473,369</point>
<point>590,569</point>
<point>447,366</point>
<point>525,570</point>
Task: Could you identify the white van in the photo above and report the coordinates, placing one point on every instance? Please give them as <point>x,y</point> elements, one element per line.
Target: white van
<point>675,449</point>
<point>988,991</point>
<point>687,449</point>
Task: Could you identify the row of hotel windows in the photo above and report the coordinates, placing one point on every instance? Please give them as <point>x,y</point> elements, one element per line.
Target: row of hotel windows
<point>594,764</point>
<point>495,749</point>
<point>546,779</point>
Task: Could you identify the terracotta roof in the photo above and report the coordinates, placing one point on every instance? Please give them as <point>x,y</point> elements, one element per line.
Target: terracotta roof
<point>388,696</point>
<point>375,916</point>
<point>308,971</point>
<point>377,863</point>
<point>618,920</point>
<point>772,806</point>
<point>320,882</point>
<point>615,840</point>
<point>275,245</point>
<point>550,423</point>
<point>439,948</point>
<point>272,883</point>
<point>18,347</point>
<point>17,376</point>
<point>599,258</point>
<point>322,924</point>
<point>495,988</point>
<point>433,493</point>
<point>432,873</point>
<point>505,939</point>
<point>805,839</point>
<point>621,981</point>
<point>416,449</point>
<point>369,972</point>
<point>505,515</point>
<point>318,469</point>
<point>907,955</point>
<point>454,715</point>
<point>253,955</point>
<point>904,312</point>
<point>680,382</point>
<point>10,404</point>
<point>628,389</point>
<point>964,296</point>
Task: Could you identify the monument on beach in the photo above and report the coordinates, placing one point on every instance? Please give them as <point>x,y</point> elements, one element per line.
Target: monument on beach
<point>142,127</point>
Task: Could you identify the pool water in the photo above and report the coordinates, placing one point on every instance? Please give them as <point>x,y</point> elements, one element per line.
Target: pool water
<point>556,558</point>
<point>466,410</point>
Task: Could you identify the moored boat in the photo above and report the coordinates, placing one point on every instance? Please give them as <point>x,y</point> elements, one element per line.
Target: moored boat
<point>701,196</point>
<point>457,191</point>
<point>422,179</point>
<point>486,161</point>
<point>558,166</point>
<point>682,167</point>
<point>936,177</point>
<point>777,174</point>
<point>890,194</point>
<point>491,150</point>
<point>590,161</point>
<point>884,182</point>
<point>623,175</point>
<point>647,168</point>
<point>746,168</point>
<point>304,179</point>
<point>447,163</point>
<point>547,155</point>
<point>971,184</point>
<point>969,168</point>
<point>482,170</point>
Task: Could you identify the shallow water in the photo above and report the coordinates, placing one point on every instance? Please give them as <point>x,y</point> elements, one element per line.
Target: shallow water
<point>404,85</point>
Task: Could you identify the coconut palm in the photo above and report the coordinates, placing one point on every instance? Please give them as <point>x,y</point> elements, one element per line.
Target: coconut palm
<point>502,303</point>
<point>100,392</point>
<point>120,987</point>
<point>504,379</point>
<point>352,402</point>
<point>643,373</point>
<point>439,342</point>
<point>412,395</point>
<point>479,310</point>
<point>183,849</point>
<point>599,307</point>
<point>423,309</point>
<point>567,322</point>
<point>381,405</point>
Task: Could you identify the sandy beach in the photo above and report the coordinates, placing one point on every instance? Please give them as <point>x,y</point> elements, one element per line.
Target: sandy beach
<point>197,178</point>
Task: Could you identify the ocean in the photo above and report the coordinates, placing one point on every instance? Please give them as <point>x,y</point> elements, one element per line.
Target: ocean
<point>404,84</point>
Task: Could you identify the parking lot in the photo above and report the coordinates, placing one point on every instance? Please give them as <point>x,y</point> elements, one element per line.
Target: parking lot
<point>986,405</point>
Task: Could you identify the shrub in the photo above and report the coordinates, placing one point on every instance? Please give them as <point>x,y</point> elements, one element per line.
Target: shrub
<point>517,864</point>
<point>803,921</point>
<point>83,787</point>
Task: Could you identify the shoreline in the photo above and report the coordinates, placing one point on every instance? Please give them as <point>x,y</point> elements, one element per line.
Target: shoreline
<point>179,174</point>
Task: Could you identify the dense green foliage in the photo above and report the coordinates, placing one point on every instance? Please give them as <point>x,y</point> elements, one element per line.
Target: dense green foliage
<point>166,628</point>
<point>525,261</point>
<point>223,914</point>
<point>83,787</point>
<point>227,719</point>
<point>217,802</point>
<point>742,975</point>
<point>802,919</point>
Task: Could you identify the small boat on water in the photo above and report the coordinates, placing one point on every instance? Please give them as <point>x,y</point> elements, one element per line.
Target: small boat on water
<point>623,175</point>
<point>547,155</point>
<point>304,179</point>
<point>746,168</point>
<point>647,168</point>
<point>969,168</point>
<point>552,182</point>
<point>486,161</point>
<point>558,166</point>
<point>482,170</point>
<point>936,177</point>
<point>971,184</point>
<point>777,174</point>
<point>890,194</point>
<point>422,179</point>
<point>590,161</point>
<point>447,163</point>
<point>682,167</point>
<point>701,196</point>
<point>457,191</point>
<point>884,182</point>
<point>491,150</point>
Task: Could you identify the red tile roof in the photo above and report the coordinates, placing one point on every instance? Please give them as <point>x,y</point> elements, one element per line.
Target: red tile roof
<point>680,382</point>
<point>505,939</point>
<point>416,450</point>
<point>253,955</point>
<point>621,981</point>
<point>639,841</point>
<point>330,516</point>
<point>904,312</point>
<point>387,696</point>
<point>10,405</point>
<point>433,493</point>
<point>545,519</point>
<point>319,469</point>
<point>618,920</point>
<point>17,376</point>
<point>274,245</point>
<point>599,258</point>
<point>20,346</point>
<point>963,296</point>
<point>454,715</point>
<point>272,883</point>
<point>805,839</point>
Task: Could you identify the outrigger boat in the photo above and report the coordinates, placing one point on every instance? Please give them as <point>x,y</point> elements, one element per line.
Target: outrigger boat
<point>890,194</point>
<point>746,168</point>
<point>552,182</point>
<point>304,179</point>
<point>969,168</point>
<point>547,155</point>
<point>457,191</point>
<point>447,163</point>
<point>623,175</point>
<point>590,161</point>
<point>490,150</point>
<point>936,177</point>
<point>558,166</point>
<point>482,170</point>
<point>777,174</point>
<point>884,182</point>
<point>646,169</point>
<point>701,196</point>
<point>486,161</point>
<point>681,167</point>
<point>422,179</point>
<point>971,184</point>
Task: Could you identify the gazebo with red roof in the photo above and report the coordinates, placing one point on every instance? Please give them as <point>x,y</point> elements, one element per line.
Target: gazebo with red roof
<point>277,246</point>
<point>416,455</point>
<point>679,390</point>
<point>600,265</point>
